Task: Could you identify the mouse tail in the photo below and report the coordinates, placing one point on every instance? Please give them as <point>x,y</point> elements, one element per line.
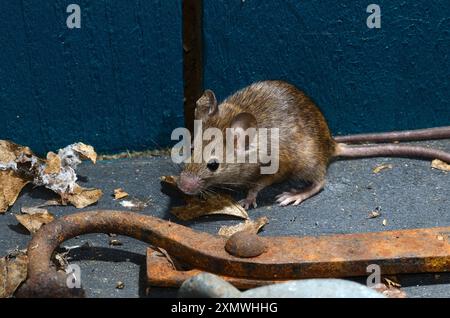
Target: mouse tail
<point>407,135</point>
<point>345,151</point>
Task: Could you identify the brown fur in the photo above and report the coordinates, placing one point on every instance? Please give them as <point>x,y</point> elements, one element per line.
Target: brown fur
<point>306,145</point>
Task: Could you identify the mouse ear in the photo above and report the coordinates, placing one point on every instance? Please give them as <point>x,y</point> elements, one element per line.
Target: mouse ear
<point>206,105</point>
<point>244,126</point>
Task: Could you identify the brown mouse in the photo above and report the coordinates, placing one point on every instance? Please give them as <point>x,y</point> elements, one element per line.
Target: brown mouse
<point>306,146</point>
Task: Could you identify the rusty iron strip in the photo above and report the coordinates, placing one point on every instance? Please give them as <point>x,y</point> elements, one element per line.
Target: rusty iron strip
<point>162,273</point>
<point>403,251</point>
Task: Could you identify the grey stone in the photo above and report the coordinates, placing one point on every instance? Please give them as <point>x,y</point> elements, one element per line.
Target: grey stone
<point>211,286</point>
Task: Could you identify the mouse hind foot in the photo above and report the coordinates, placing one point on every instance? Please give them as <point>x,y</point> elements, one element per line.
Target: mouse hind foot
<point>295,197</point>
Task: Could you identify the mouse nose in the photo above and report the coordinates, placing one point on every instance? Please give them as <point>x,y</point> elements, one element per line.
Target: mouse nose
<point>189,183</point>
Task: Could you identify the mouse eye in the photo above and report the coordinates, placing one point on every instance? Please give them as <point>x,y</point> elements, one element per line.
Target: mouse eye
<point>213,165</point>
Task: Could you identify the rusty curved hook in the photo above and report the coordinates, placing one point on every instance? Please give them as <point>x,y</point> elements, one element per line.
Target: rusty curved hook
<point>43,279</point>
<point>341,255</point>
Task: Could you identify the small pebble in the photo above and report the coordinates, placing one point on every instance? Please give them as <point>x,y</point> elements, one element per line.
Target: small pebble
<point>120,285</point>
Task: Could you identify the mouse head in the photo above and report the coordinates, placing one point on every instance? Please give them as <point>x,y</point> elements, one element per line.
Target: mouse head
<point>223,159</point>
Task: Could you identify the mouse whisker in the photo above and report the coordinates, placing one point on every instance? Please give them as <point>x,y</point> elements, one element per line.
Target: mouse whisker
<point>209,193</point>
<point>240,183</point>
<point>221,187</point>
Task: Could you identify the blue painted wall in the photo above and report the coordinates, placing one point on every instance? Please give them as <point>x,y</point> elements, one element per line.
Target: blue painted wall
<point>396,77</point>
<point>116,83</point>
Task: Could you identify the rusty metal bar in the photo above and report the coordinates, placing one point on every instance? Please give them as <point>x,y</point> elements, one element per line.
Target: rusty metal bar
<point>403,251</point>
<point>162,273</point>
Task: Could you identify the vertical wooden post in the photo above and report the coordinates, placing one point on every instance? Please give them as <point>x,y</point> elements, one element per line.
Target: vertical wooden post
<point>193,57</point>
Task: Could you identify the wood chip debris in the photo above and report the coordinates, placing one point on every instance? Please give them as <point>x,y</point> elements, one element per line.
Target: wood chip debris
<point>11,180</point>
<point>85,152</point>
<point>135,204</point>
<point>171,180</point>
<point>62,260</point>
<point>53,165</point>
<point>440,165</point>
<point>33,218</point>
<point>382,167</point>
<point>85,245</point>
<point>213,204</point>
<point>13,271</point>
<point>19,166</point>
<point>120,194</point>
<point>392,281</point>
<point>115,242</point>
<point>375,213</point>
<point>10,187</point>
<point>55,202</point>
<point>248,225</point>
<point>33,210</point>
<point>81,197</point>
<point>163,253</point>
<point>390,291</point>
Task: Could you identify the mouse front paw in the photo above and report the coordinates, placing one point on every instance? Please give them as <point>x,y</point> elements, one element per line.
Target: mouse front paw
<point>248,203</point>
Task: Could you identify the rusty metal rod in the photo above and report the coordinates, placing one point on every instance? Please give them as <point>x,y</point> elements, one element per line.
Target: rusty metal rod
<point>162,273</point>
<point>403,251</point>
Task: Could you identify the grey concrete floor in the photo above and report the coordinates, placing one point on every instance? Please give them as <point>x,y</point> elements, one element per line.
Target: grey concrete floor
<point>411,195</point>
